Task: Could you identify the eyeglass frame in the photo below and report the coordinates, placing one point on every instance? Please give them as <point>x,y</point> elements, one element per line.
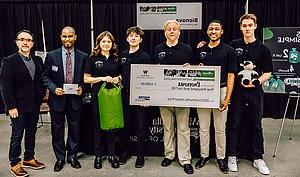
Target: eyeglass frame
<point>24,39</point>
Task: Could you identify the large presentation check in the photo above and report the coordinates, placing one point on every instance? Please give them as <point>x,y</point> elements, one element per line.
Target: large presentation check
<point>175,85</point>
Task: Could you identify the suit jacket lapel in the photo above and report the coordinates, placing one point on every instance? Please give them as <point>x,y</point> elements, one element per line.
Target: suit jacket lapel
<point>37,67</point>
<point>76,69</point>
<point>60,63</point>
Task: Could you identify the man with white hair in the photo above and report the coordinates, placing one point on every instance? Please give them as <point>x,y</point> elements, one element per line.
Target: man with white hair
<point>174,52</point>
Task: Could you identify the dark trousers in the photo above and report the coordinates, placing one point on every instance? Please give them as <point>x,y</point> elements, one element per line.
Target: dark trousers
<point>58,132</point>
<point>102,139</point>
<point>253,101</point>
<point>25,122</point>
<point>135,120</point>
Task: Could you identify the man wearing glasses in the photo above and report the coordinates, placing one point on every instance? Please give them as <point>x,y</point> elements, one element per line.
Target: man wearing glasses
<point>22,92</point>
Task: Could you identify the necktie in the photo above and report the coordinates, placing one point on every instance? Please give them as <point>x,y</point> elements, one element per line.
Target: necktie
<point>68,68</point>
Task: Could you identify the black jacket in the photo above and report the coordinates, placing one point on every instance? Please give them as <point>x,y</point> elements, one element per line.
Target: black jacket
<point>17,87</point>
<point>54,78</point>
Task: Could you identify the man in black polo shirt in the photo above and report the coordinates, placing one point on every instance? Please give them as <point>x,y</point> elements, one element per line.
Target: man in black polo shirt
<point>216,53</point>
<point>250,53</point>
<point>134,115</point>
<point>173,52</point>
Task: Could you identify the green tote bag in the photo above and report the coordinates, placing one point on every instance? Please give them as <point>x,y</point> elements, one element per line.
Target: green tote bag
<point>110,107</point>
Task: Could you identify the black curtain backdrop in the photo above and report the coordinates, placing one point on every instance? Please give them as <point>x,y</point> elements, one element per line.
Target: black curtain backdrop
<point>114,16</point>
<point>18,15</point>
<point>117,15</point>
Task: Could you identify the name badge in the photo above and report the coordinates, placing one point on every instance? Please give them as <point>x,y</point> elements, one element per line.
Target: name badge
<point>54,68</point>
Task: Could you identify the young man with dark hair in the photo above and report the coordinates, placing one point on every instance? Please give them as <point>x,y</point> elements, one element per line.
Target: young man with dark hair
<point>216,53</point>
<point>249,50</point>
<point>135,116</point>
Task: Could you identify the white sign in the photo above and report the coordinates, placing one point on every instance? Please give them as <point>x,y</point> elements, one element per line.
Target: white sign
<point>175,85</point>
<point>41,54</point>
<point>152,16</point>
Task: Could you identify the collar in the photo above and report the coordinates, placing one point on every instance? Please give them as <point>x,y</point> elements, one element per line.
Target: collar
<point>177,46</point>
<point>111,57</point>
<point>216,47</point>
<point>254,43</point>
<point>24,57</point>
<point>134,53</point>
<point>65,50</point>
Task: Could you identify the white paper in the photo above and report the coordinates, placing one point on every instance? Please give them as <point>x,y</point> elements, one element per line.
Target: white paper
<point>175,85</point>
<point>70,88</point>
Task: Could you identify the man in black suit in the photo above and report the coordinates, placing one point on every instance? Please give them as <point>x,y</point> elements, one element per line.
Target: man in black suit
<point>65,66</point>
<point>22,92</point>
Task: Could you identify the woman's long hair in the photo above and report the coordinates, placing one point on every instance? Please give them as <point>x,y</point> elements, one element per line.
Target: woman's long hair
<point>113,51</point>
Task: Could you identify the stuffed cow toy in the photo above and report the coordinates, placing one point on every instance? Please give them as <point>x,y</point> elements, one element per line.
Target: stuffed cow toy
<point>248,74</point>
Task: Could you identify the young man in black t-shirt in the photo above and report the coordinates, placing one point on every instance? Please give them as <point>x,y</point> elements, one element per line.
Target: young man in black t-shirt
<point>216,53</point>
<point>135,116</point>
<point>255,67</point>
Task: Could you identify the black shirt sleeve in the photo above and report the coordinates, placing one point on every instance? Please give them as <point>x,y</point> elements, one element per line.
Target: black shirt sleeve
<point>155,55</point>
<point>232,62</point>
<point>267,64</point>
<point>88,66</point>
<point>191,55</point>
<point>148,59</point>
<point>6,84</point>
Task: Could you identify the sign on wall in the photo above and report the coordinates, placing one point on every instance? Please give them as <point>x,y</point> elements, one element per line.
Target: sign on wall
<point>284,44</point>
<point>151,16</point>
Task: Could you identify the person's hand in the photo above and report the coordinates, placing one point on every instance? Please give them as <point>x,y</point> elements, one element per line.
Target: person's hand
<point>250,85</point>
<point>201,44</point>
<point>108,79</point>
<point>79,91</point>
<point>59,91</point>
<point>224,105</point>
<point>13,113</point>
<point>116,80</point>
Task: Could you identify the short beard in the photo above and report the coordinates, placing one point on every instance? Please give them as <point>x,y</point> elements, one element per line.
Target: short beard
<point>68,47</point>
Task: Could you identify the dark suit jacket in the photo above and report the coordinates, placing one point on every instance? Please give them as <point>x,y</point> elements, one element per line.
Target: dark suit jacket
<point>53,77</point>
<point>17,87</point>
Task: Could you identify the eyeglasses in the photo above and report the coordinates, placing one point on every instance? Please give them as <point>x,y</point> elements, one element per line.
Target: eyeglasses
<point>24,39</point>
